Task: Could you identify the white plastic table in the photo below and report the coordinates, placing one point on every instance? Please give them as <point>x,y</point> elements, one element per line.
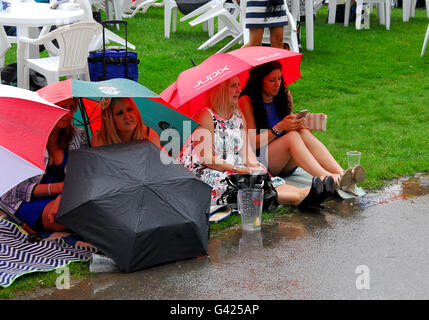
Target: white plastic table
<point>28,16</point>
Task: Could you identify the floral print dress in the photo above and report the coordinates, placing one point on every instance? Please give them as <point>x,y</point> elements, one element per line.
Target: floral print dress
<point>228,141</point>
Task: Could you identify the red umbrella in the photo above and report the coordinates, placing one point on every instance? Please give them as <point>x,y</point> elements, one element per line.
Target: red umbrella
<point>188,92</point>
<point>26,120</point>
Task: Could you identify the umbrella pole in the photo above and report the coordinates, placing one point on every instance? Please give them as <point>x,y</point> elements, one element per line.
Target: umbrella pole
<point>84,119</point>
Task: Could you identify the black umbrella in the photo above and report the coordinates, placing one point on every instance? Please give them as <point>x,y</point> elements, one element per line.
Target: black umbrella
<point>134,208</point>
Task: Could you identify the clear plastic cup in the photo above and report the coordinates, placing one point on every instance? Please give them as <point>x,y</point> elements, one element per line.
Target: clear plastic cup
<point>353,158</point>
<point>250,202</point>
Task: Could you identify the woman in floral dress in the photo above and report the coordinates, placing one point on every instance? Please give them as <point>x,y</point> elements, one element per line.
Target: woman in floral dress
<point>219,147</point>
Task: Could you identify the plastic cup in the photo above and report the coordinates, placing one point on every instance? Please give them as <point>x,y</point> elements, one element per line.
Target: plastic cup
<point>353,158</point>
<point>249,203</point>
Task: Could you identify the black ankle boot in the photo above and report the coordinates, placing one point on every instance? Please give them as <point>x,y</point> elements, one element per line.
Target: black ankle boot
<point>314,196</point>
<point>328,188</point>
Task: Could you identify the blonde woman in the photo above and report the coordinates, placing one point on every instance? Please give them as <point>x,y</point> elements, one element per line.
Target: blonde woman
<point>121,122</point>
<point>220,147</point>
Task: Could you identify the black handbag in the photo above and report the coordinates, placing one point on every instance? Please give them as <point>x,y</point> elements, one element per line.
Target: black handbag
<point>237,181</point>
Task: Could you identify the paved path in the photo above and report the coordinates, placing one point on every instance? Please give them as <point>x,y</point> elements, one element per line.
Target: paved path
<point>375,247</point>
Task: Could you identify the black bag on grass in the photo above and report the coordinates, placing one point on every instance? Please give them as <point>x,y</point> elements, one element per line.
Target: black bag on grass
<point>241,181</point>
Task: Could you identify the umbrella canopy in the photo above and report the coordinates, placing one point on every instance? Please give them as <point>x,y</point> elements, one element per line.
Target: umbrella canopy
<point>137,210</point>
<point>156,113</point>
<point>26,120</point>
<point>188,92</point>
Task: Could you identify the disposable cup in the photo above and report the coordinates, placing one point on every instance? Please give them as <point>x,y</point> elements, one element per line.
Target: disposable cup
<point>353,158</point>
<point>249,203</point>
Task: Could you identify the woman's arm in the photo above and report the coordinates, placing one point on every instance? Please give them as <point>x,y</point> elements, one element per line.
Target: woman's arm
<point>203,139</point>
<point>256,140</point>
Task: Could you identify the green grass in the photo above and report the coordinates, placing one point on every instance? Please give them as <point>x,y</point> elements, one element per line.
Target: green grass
<point>372,84</point>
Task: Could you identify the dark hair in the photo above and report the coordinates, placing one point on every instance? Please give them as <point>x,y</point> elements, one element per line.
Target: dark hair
<point>253,89</point>
<point>66,134</point>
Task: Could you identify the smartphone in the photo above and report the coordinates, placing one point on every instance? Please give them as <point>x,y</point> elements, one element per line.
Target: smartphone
<point>302,114</point>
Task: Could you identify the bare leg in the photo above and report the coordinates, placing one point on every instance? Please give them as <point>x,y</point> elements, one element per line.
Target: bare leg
<point>255,37</point>
<point>290,146</point>
<point>276,37</point>
<point>291,195</point>
<point>320,153</point>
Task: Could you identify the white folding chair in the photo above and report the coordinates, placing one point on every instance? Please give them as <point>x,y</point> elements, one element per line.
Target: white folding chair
<point>425,42</point>
<point>72,60</point>
<point>4,47</point>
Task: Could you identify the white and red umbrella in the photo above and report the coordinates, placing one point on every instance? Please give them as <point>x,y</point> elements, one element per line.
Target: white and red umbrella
<point>188,91</point>
<point>26,120</point>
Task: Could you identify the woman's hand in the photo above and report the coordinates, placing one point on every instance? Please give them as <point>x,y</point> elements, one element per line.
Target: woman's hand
<point>290,123</point>
<point>51,209</point>
<point>255,167</point>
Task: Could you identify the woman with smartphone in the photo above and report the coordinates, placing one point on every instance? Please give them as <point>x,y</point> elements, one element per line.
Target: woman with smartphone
<point>279,136</point>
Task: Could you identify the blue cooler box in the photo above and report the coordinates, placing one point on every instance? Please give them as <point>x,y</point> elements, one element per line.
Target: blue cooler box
<point>117,62</point>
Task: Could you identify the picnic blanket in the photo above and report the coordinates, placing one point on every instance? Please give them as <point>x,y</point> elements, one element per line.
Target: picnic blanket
<point>18,256</point>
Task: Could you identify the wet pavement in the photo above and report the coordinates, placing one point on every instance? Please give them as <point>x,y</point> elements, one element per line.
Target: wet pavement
<point>374,247</point>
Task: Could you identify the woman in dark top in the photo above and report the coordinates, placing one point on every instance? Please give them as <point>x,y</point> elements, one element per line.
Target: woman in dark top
<point>35,201</point>
<point>285,143</point>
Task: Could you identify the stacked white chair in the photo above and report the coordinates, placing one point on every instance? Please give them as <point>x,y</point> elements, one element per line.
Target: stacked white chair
<point>129,8</point>
<point>109,35</point>
<point>409,9</point>
<point>364,7</point>
<point>4,47</point>
<point>170,17</point>
<point>228,25</point>
<point>74,43</point>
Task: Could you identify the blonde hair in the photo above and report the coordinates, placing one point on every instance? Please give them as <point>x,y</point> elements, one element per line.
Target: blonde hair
<point>108,132</point>
<point>219,98</point>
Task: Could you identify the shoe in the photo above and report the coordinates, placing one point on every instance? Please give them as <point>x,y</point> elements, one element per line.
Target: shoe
<point>328,187</point>
<point>358,174</point>
<point>313,198</point>
<point>345,179</point>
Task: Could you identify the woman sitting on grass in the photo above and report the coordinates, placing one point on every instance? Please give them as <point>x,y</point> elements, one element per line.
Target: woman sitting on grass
<point>121,122</point>
<point>219,148</point>
<point>285,143</point>
<point>35,201</point>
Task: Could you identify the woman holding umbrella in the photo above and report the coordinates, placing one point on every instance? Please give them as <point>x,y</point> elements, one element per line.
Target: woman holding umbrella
<point>35,201</point>
<point>220,147</point>
<point>121,122</point>
<point>267,104</point>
